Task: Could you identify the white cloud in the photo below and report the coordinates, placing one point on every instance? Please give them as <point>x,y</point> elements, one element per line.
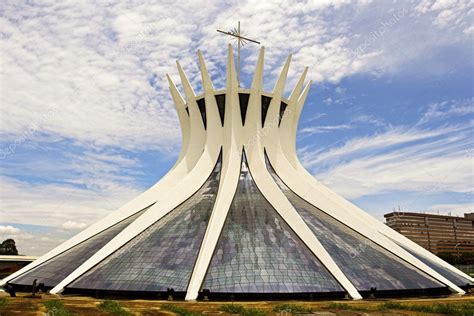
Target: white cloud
<point>80,188</point>
<point>316,117</point>
<point>453,209</point>
<point>449,13</point>
<point>35,240</point>
<point>325,128</point>
<point>469,30</point>
<point>362,146</point>
<point>369,119</point>
<point>8,230</point>
<point>400,159</point>
<point>27,203</point>
<point>73,225</point>
<point>22,238</point>
<point>353,123</point>
<point>397,172</point>
<point>102,83</point>
<point>447,109</point>
<point>94,79</point>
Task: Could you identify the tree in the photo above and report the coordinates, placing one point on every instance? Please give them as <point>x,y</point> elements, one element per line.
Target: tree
<point>466,258</point>
<point>448,257</point>
<point>8,247</point>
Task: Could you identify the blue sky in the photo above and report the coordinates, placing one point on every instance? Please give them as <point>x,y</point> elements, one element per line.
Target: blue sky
<point>87,122</point>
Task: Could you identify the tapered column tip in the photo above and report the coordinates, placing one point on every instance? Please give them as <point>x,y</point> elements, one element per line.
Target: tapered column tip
<point>200,56</point>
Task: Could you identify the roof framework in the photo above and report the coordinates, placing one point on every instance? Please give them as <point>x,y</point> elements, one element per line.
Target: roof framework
<point>231,153</point>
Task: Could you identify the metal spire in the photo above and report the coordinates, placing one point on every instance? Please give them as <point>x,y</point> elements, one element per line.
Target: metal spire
<point>241,41</point>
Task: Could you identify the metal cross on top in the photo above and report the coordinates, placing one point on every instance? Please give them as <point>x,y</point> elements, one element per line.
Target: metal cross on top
<point>241,41</point>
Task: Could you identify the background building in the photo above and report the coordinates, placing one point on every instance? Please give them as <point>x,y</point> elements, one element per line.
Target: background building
<point>439,234</point>
<point>13,263</point>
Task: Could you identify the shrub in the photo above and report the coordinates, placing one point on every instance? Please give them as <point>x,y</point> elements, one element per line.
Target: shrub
<point>178,310</point>
<point>29,306</point>
<point>292,308</point>
<point>350,307</point>
<point>232,308</point>
<point>113,308</point>
<point>56,308</point>
<point>239,309</point>
<point>390,305</point>
<point>438,308</point>
<point>3,302</point>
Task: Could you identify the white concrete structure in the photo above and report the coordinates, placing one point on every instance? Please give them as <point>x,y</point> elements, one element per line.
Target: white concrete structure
<point>238,214</point>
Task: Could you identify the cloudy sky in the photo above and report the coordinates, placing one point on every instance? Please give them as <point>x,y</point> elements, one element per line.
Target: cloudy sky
<point>87,122</point>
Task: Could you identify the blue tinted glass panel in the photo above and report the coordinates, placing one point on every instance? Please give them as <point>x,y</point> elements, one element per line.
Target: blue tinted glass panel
<point>56,269</point>
<point>365,263</point>
<point>257,251</point>
<point>448,274</point>
<point>163,255</point>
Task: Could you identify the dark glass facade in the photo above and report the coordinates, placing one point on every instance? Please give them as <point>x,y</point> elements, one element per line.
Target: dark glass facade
<point>257,252</point>
<point>283,106</point>
<point>163,255</point>
<point>202,109</point>
<point>366,264</point>
<point>448,274</point>
<point>243,102</point>
<point>57,268</point>
<point>265,106</point>
<point>220,100</point>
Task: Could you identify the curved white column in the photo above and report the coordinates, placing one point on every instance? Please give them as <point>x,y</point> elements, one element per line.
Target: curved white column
<point>270,190</point>
<point>230,172</point>
<point>198,135</point>
<point>201,146</point>
<point>278,200</point>
<point>147,198</point>
<point>388,232</point>
<point>288,139</point>
<point>289,122</point>
<point>315,195</point>
<point>184,121</point>
<point>177,195</point>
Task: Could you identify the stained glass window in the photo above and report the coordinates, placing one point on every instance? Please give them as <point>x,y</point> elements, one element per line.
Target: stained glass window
<point>56,269</point>
<point>365,263</point>
<point>220,100</point>
<point>163,255</point>
<point>258,252</point>
<point>448,274</point>
<point>201,103</point>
